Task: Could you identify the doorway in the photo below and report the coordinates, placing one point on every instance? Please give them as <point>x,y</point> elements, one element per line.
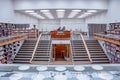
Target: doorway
<point>61,52</point>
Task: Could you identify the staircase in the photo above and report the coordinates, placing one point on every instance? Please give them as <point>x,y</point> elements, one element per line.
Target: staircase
<point>97,54</point>
<point>79,52</point>
<point>25,53</point>
<point>43,51</point>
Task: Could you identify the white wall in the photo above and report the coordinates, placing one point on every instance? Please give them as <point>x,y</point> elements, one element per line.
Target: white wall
<point>60,4</point>
<point>74,24</point>
<point>98,18</point>
<point>25,19</point>
<point>113,14</point>
<point>48,25</point>
<point>71,24</point>
<point>6,11</point>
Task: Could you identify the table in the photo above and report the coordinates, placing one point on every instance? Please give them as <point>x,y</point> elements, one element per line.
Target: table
<point>79,68</point>
<point>97,67</point>
<point>24,67</point>
<point>60,68</point>
<point>42,68</point>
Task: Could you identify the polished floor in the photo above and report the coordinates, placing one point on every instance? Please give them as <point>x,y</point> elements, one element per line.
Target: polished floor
<point>109,72</point>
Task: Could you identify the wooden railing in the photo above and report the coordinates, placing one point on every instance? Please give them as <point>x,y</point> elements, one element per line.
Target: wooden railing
<point>115,39</point>
<point>35,48</point>
<point>89,56</point>
<point>11,39</point>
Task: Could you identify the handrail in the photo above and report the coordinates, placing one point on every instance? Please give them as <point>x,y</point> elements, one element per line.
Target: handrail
<point>50,50</point>
<point>71,47</point>
<point>35,48</point>
<point>49,46</point>
<point>89,56</point>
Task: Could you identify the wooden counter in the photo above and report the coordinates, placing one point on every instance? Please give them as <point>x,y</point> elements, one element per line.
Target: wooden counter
<point>60,34</point>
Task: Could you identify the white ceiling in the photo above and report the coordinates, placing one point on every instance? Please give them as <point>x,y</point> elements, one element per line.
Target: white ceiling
<point>61,13</point>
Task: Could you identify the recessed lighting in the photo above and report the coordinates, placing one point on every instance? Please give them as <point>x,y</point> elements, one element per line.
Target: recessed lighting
<point>49,15</point>
<point>33,13</point>
<point>29,11</point>
<point>92,11</point>
<point>76,10</point>
<point>60,14</point>
<point>44,10</point>
<point>60,10</point>
<point>74,13</point>
<point>88,13</point>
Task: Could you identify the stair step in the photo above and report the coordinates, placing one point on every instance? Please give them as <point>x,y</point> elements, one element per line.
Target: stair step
<point>80,56</point>
<point>100,58</point>
<point>17,61</point>
<point>22,58</point>
<point>100,61</point>
<point>40,59</point>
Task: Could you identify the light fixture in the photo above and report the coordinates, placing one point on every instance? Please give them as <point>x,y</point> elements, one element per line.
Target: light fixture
<point>29,11</point>
<point>76,10</point>
<point>32,13</point>
<point>87,13</point>
<point>92,11</point>
<point>39,16</point>
<point>60,13</point>
<point>74,13</point>
<point>49,15</point>
<point>60,10</point>
<point>44,11</point>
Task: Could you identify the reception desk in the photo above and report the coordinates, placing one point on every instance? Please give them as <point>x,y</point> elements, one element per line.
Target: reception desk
<point>60,34</point>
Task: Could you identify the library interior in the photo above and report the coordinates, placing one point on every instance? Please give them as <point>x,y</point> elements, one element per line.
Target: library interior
<point>59,40</point>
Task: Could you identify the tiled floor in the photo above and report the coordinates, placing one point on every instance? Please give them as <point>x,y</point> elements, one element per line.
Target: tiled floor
<point>109,70</point>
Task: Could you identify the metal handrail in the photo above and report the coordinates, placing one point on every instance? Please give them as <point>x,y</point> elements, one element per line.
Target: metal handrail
<point>35,48</point>
<point>89,55</point>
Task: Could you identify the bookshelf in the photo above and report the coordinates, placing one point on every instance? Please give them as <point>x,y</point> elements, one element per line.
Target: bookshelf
<point>113,52</point>
<point>25,29</point>
<point>6,29</point>
<point>8,52</point>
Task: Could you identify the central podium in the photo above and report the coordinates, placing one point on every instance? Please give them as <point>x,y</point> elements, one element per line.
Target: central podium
<point>60,45</point>
<point>60,34</point>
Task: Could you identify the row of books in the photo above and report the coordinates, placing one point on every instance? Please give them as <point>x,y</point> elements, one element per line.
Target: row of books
<point>6,29</point>
<point>8,52</point>
<point>113,52</point>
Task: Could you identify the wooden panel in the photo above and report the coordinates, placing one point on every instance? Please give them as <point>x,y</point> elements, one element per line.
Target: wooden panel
<point>60,34</point>
<point>96,28</point>
<point>60,52</point>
